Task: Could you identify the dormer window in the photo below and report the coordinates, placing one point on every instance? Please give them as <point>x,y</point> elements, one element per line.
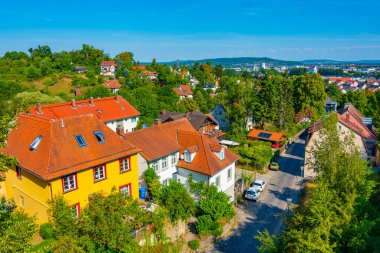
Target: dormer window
<point>221,154</point>
<point>187,156</point>
<point>99,136</point>
<point>35,143</point>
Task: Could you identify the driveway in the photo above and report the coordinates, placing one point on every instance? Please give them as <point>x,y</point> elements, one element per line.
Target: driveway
<point>272,206</point>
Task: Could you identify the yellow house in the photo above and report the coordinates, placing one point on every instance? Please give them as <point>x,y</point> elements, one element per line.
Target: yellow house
<point>73,156</point>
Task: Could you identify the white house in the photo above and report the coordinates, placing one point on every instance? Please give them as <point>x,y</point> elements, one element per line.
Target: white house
<point>159,148</point>
<point>108,68</point>
<point>175,150</point>
<point>206,161</point>
<point>350,122</point>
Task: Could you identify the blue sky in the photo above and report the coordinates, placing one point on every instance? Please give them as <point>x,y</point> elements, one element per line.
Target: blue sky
<point>196,29</point>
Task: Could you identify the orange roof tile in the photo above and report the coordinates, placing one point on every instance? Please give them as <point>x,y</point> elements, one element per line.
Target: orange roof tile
<point>183,90</point>
<point>353,119</point>
<point>112,84</point>
<point>106,109</point>
<point>108,63</point>
<point>274,136</point>
<point>139,67</point>
<point>205,160</point>
<point>158,140</point>
<point>58,152</point>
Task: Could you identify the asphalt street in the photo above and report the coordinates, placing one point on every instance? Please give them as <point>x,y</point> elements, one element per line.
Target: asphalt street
<point>269,211</point>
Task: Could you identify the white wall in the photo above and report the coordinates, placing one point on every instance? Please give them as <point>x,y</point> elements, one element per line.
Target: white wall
<point>127,124</point>
<point>225,184</point>
<point>171,167</point>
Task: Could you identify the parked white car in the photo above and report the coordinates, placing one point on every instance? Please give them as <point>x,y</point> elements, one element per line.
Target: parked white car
<point>252,193</point>
<point>259,184</point>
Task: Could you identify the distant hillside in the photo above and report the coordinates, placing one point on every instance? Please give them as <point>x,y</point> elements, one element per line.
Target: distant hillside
<point>238,61</point>
<point>241,61</point>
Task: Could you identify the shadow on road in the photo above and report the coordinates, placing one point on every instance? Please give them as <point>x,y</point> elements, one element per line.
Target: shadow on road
<point>242,238</point>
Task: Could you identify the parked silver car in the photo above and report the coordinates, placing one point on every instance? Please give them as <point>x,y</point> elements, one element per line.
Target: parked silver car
<point>259,184</point>
<point>252,193</point>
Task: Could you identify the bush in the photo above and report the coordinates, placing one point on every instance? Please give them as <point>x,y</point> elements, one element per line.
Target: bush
<point>46,231</point>
<point>206,226</point>
<point>194,244</point>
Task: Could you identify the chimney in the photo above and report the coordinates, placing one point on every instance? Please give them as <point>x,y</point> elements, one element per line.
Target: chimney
<point>62,123</point>
<point>73,105</point>
<point>116,98</point>
<point>347,117</point>
<point>91,101</point>
<point>157,122</point>
<point>39,111</point>
<point>119,130</point>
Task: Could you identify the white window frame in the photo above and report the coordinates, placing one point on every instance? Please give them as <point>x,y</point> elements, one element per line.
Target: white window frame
<point>229,174</point>
<point>217,181</point>
<point>155,166</point>
<point>174,159</point>
<point>127,186</point>
<point>164,163</point>
<point>69,183</point>
<point>125,165</point>
<point>99,173</point>
<point>187,156</point>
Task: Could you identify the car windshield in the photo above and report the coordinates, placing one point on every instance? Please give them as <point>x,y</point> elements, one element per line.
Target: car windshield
<point>258,184</point>
<point>274,164</point>
<point>251,192</point>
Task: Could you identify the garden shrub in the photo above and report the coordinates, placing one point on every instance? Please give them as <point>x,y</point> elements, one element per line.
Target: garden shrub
<point>194,244</point>
<point>46,231</point>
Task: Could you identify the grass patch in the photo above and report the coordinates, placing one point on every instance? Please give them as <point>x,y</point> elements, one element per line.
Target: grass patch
<point>43,246</point>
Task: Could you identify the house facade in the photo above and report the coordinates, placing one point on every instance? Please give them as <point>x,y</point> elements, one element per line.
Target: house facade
<point>73,156</point>
<point>113,85</point>
<point>205,160</point>
<point>220,115</point>
<point>159,148</point>
<point>108,68</point>
<point>203,123</point>
<point>350,123</point>
<point>183,91</point>
<point>115,111</point>
<point>175,150</point>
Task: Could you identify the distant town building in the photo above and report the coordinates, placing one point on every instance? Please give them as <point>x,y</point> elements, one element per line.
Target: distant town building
<point>112,85</point>
<point>108,68</point>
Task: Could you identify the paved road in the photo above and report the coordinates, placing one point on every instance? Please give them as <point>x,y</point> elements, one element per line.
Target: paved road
<point>269,211</point>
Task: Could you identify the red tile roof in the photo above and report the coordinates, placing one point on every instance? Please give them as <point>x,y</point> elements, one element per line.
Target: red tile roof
<point>58,153</point>
<point>112,84</point>
<point>340,79</point>
<point>139,67</point>
<point>108,63</point>
<point>106,109</point>
<point>353,119</point>
<point>183,90</point>
<point>274,136</point>
<point>205,160</point>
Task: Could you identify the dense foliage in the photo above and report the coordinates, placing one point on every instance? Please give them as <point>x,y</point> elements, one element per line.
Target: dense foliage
<point>16,228</point>
<point>339,214</point>
<point>107,224</point>
<point>255,155</point>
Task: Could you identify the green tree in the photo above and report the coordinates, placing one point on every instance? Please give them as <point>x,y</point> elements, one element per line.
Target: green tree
<point>177,201</point>
<point>187,105</point>
<point>17,229</point>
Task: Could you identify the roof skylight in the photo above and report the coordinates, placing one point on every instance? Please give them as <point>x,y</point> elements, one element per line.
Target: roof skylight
<point>80,140</point>
<point>35,143</point>
<point>99,136</point>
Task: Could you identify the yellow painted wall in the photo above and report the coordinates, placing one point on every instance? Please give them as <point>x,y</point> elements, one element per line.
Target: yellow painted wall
<point>87,186</point>
<point>36,192</point>
<point>32,189</point>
